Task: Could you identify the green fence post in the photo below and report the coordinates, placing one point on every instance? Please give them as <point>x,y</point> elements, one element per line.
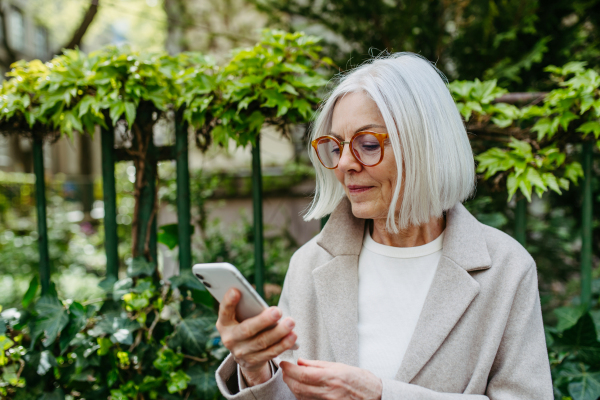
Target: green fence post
<point>40,204</point>
<point>183,193</point>
<point>258,218</point>
<point>110,203</point>
<point>521,220</point>
<point>586,225</point>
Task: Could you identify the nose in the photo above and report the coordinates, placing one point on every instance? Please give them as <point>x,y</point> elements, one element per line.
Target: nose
<point>348,162</point>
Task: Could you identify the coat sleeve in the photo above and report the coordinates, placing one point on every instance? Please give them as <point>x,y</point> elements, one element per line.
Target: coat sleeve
<point>520,371</point>
<point>273,389</point>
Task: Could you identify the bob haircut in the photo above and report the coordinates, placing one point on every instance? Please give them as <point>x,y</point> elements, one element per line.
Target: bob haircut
<point>425,130</point>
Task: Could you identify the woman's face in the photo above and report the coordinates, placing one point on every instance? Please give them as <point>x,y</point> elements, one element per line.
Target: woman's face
<point>369,189</point>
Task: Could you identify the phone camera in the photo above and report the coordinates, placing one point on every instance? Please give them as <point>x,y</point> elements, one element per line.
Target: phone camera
<point>206,284</point>
<point>200,276</point>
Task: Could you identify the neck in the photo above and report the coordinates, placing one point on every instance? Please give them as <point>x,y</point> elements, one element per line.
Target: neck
<point>409,237</point>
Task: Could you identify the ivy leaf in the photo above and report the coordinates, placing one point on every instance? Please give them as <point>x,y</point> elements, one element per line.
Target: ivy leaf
<point>204,381</point>
<point>57,394</point>
<point>178,381</point>
<point>169,235</point>
<point>566,118</point>
<point>139,266</point>
<point>31,291</point>
<point>192,334</point>
<point>568,317</point>
<point>167,360</point>
<point>52,318</point>
<point>588,388</point>
<point>186,279</point>
<point>77,321</point>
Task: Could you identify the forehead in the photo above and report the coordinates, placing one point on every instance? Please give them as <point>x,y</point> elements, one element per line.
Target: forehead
<point>354,112</point>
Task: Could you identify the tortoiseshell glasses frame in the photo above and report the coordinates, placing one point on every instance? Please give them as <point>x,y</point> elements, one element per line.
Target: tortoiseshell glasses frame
<point>327,140</point>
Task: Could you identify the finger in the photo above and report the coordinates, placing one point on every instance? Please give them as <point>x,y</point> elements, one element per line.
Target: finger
<point>315,363</point>
<point>253,326</point>
<point>303,391</point>
<point>227,307</point>
<point>270,337</point>
<point>266,355</point>
<point>306,375</point>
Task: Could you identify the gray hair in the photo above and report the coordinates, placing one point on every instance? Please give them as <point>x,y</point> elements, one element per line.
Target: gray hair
<point>425,130</point>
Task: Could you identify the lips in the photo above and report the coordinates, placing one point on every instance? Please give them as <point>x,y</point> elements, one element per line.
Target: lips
<point>356,189</point>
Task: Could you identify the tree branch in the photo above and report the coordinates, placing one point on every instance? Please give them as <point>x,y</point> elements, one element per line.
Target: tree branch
<point>89,16</point>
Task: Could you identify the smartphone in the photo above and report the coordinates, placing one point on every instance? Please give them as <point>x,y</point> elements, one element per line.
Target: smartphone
<point>218,278</point>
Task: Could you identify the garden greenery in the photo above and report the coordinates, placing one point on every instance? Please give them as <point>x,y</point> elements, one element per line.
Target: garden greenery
<point>138,342</point>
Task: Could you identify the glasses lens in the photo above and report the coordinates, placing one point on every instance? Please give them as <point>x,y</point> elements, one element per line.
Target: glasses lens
<point>329,152</point>
<point>367,149</point>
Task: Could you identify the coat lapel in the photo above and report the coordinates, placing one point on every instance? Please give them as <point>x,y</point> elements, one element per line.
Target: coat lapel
<point>451,292</point>
<point>336,282</point>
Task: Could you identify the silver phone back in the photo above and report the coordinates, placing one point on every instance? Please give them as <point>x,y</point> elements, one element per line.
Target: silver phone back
<point>223,276</point>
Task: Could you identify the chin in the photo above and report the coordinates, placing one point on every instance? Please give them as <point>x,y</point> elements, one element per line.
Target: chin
<point>364,210</point>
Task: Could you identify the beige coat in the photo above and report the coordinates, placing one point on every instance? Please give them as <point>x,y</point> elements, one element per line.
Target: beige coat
<point>479,336</point>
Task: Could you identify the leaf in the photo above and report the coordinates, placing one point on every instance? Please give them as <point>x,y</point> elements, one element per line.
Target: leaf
<point>177,382</point>
<point>568,317</point>
<point>130,111</point>
<point>192,334</point>
<point>573,171</point>
<point>116,110</point>
<point>590,127</point>
<point>57,394</point>
<point>167,360</point>
<point>52,318</point>
<point>204,381</point>
<point>31,291</point>
<point>139,266</point>
<point>588,388</point>
<point>186,279</point>
<point>169,235</point>
<point>77,321</point>
<point>46,362</point>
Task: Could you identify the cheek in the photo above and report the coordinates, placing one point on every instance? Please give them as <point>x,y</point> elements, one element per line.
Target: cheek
<point>339,175</point>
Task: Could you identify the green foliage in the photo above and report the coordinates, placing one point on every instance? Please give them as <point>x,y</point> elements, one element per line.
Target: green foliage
<point>273,83</point>
<point>508,40</point>
<point>536,157</point>
<point>133,343</point>
<point>574,350</point>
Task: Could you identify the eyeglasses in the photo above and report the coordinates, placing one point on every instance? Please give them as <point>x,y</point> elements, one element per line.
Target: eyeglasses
<point>366,147</point>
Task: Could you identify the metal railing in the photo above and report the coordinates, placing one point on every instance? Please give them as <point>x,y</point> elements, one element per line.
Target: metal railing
<point>179,153</point>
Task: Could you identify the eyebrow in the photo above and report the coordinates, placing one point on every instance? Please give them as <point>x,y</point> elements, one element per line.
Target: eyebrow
<point>362,128</point>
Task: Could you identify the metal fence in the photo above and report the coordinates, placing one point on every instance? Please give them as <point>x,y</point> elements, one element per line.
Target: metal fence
<point>179,153</point>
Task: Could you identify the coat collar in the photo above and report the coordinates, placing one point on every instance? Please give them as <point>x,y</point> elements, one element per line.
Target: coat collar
<point>451,292</point>
<point>464,242</point>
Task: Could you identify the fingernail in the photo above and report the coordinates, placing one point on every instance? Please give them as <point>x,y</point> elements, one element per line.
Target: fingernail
<point>289,323</point>
<point>232,295</point>
<point>275,313</point>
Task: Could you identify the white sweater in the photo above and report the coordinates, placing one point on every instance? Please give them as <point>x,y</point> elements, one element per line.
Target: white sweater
<point>392,286</point>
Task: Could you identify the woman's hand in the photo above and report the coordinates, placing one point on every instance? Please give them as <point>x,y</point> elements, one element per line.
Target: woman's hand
<point>256,340</point>
<point>324,380</point>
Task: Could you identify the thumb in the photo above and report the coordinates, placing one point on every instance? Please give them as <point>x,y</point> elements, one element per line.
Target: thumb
<point>227,307</point>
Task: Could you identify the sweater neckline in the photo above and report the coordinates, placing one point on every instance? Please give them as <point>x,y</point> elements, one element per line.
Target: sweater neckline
<point>403,252</point>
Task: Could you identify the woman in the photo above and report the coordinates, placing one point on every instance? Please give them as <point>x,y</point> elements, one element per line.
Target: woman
<point>404,294</point>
